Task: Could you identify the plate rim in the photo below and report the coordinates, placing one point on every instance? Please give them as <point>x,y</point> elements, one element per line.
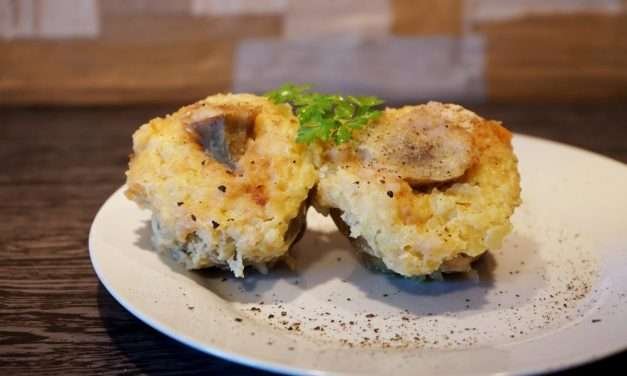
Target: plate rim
<point>281,368</point>
<point>181,338</point>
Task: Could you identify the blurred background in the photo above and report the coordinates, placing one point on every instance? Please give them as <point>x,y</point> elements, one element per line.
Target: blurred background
<point>102,52</point>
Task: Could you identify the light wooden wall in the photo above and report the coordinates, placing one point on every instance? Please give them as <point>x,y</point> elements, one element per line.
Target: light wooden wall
<point>144,51</point>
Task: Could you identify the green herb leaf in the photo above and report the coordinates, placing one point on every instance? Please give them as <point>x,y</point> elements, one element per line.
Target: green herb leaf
<point>366,101</point>
<point>326,117</point>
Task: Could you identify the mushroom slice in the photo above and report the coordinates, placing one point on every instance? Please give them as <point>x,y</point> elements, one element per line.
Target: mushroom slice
<point>459,264</point>
<point>222,134</point>
<point>419,147</point>
<point>296,227</point>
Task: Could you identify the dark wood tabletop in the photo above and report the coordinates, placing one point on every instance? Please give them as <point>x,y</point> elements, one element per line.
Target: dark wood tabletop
<point>58,165</point>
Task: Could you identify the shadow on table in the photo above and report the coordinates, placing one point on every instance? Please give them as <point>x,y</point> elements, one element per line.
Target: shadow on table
<point>154,353</point>
<point>256,284</point>
<point>314,267</point>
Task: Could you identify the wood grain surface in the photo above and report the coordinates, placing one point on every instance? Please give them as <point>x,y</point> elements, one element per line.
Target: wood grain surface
<point>59,165</point>
<point>120,52</point>
<point>557,58</point>
<point>112,72</point>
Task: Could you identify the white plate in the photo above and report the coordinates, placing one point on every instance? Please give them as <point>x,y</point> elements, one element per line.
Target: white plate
<point>554,296</point>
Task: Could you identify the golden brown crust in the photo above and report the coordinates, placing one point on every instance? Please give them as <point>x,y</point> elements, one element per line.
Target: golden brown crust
<point>417,230</point>
<point>230,210</point>
<point>460,263</point>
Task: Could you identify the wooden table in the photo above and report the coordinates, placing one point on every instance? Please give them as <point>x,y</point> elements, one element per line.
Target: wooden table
<point>59,165</point>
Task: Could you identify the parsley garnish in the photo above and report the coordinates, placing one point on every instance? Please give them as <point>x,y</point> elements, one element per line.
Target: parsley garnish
<point>326,117</point>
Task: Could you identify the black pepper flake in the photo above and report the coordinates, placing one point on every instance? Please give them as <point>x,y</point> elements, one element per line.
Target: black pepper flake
<point>370,315</point>
<point>283,313</point>
<point>594,321</point>
<point>179,203</point>
<point>222,188</point>
<point>390,194</point>
<point>193,218</point>
<point>215,224</point>
<point>270,316</point>
<point>238,319</point>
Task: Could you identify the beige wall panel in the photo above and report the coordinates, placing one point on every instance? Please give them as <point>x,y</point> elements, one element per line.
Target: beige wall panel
<point>327,18</point>
<point>394,68</point>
